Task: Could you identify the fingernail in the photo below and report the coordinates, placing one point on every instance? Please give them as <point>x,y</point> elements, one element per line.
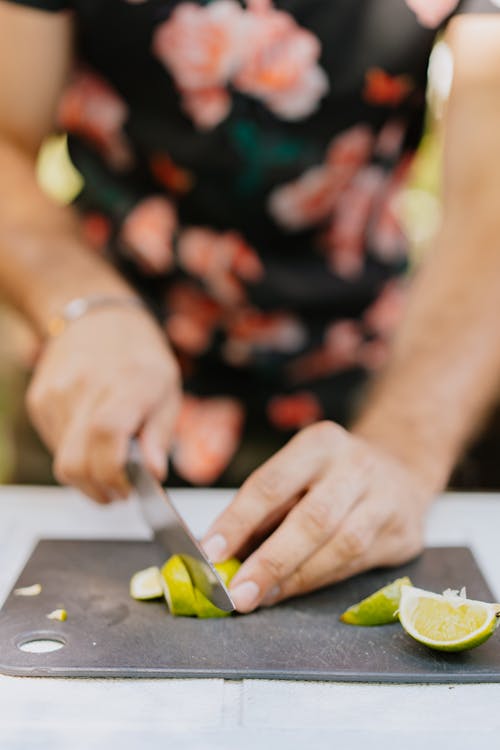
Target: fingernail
<point>245,596</point>
<point>215,548</point>
<point>271,596</point>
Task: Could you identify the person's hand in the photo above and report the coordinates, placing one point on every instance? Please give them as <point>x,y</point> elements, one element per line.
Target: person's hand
<point>109,377</point>
<point>338,506</point>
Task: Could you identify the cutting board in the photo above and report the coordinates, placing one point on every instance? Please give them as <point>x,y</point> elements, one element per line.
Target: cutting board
<point>107,634</point>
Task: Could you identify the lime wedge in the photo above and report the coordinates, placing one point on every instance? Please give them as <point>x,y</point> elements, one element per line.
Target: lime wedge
<point>448,621</point>
<point>58,614</point>
<point>228,569</point>
<point>178,587</point>
<point>174,582</point>
<point>379,608</point>
<point>146,584</point>
<point>34,590</point>
<point>205,609</point>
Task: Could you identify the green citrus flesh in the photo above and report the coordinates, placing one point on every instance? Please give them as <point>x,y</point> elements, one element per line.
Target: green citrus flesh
<point>380,608</point>
<point>446,622</point>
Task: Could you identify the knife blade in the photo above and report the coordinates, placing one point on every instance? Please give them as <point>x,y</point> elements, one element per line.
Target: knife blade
<point>170,531</point>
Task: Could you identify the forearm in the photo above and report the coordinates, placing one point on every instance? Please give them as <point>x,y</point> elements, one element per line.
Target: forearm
<point>445,367</point>
<point>44,261</point>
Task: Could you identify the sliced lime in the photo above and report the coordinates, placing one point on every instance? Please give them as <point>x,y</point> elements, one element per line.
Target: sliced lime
<point>380,608</point>
<point>448,621</point>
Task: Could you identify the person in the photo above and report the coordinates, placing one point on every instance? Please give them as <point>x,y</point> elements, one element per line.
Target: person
<point>236,239</point>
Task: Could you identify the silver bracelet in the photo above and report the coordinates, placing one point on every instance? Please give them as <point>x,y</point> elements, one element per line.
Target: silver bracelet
<point>80,306</point>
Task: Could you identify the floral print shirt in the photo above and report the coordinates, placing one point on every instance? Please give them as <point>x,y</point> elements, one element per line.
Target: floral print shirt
<point>242,164</point>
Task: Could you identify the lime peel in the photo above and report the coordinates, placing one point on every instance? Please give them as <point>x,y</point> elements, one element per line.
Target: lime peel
<point>448,621</point>
<point>175,584</point>
<point>380,608</point>
<point>58,614</point>
<point>34,590</point>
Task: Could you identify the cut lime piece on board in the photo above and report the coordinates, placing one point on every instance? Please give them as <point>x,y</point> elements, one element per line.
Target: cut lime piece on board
<point>58,614</point>
<point>228,569</point>
<point>178,587</point>
<point>448,621</point>
<point>380,608</point>
<point>146,584</point>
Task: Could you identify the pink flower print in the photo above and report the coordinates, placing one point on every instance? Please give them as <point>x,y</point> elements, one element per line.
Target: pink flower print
<point>250,330</point>
<point>147,234</point>
<point>206,107</point>
<point>304,202</point>
<point>382,89</point>
<point>386,237</point>
<point>201,46</point>
<point>345,239</point>
<point>295,411</point>
<point>390,139</point>
<point>385,314</point>
<point>221,260</point>
<point>206,437</point>
<point>280,64</point>
<point>431,13</point>
<point>96,229</point>
<point>91,108</point>
<point>170,175</point>
<point>311,198</point>
<point>340,351</point>
<point>192,318</point>
<point>350,149</point>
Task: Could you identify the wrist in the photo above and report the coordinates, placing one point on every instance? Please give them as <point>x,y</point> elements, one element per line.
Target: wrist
<point>81,306</point>
<point>409,442</point>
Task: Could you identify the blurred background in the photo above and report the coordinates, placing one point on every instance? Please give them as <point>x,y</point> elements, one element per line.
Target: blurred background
<point>23,459</point>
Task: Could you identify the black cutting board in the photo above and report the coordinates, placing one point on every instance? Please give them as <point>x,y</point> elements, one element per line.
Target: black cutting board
<point>107,634</point>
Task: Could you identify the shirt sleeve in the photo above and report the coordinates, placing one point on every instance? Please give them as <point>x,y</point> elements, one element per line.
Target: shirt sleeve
<point>49,5</point>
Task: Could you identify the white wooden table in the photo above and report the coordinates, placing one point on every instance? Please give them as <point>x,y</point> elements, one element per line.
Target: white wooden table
<point>76,714</point>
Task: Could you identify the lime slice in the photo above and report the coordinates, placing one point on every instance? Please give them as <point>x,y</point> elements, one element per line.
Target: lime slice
<point>380,608</point>
<point>205,609</point>
<point>146,584</point>
<point>58,614</point>
<point>228,569</point>
<point>448,621</point>
<point>178,587</point>
<point>34,590</point>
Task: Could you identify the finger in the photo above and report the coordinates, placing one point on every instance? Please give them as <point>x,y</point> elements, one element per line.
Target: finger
<point>286,475</point>
<point>312,522</point>
<point>353,548</point>
<point>70,461</point>
<point>155,437</point>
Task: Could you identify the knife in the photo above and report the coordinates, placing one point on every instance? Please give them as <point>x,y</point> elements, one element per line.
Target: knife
<point>171,532</point>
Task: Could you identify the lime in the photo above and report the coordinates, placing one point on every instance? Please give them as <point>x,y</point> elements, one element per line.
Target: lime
<point>205,608</point>
<point>178,587</point>
<point>174,582</point>
<point>379,608</point>
<point>448,621</point>
<point>58,614</point>
<point>228,569</point>
<point>146,584</point>
<point>34,590</point>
